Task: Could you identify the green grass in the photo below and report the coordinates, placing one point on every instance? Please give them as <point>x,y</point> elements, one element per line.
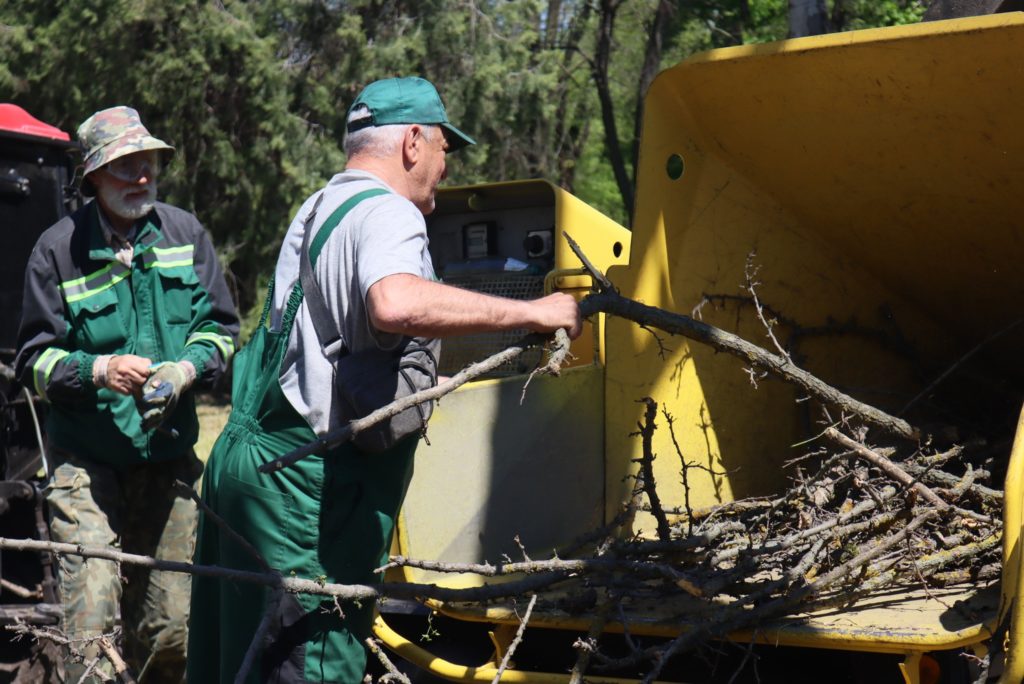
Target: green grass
<point>212,418</point>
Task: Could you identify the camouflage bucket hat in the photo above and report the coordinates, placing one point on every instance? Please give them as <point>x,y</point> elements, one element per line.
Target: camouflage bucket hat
<point>113,133</point>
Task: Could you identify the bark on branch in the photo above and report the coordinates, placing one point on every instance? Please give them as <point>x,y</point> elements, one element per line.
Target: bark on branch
<point>343,434</point>
<point>111,654</point>
<point>294,585</point>
<point>887,467</point>
<point>678,324</point>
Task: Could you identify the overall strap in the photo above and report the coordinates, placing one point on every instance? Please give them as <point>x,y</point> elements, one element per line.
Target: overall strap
<point>267,302</point>
<point>326,328</point>
<point>295,296</point>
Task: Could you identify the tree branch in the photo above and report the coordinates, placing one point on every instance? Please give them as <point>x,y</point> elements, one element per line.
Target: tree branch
<point>647,468</point>
<point>111,654</point>
<point>343,434</point>
<point>294,585</point>
<point>720,340</point>
<point>516,641</point>
<point>393,673</point>
<point>887,467</point>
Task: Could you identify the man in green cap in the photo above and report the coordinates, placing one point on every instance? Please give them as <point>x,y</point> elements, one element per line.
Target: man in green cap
<point>125,310</point>
<point>331,518</point>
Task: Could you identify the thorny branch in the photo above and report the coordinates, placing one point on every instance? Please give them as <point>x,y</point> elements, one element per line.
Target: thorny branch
<point>347,432</point>
<point>506,659</point>
<point>104,643</point>
<point>393,673</point>
<point>111,654</point>
<point>558,356</point>
<point>185,490</point>
<point>293,585</point>
<point>646,432</point>
<point>21,591</point>
<point>253,652</point>
<point>750,273</point>
<point>890,468</point>
<point>612,303</point>
<point>588,645</point>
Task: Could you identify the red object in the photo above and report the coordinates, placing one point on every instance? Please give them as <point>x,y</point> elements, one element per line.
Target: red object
<point>16,120</point>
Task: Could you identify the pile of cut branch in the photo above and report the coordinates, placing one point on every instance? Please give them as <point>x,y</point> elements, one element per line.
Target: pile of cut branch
<point>855,521</point>
<point>859,518</point>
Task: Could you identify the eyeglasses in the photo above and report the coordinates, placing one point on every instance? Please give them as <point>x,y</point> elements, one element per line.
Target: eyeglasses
<point>132,167</point>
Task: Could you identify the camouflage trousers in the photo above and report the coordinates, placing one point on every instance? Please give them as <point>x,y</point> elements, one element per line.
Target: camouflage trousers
<point>136,509</point>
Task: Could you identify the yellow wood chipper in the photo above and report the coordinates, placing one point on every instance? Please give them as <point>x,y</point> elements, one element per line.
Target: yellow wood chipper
<point>878,176</point>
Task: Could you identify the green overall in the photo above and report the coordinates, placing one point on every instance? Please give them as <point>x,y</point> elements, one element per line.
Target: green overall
<point>329,518</point>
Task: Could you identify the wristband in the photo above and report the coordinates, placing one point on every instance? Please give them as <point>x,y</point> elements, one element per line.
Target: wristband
<point>190,373</point>
<point>99,369</point>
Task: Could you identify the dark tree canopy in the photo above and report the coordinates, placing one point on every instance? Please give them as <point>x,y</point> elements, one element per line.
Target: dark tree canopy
<point>253,95</point>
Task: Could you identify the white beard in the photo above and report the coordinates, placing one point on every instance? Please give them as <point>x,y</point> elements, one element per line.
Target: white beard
<point>135,208</point>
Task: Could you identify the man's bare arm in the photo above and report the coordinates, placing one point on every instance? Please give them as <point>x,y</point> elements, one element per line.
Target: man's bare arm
<point>410,305</point>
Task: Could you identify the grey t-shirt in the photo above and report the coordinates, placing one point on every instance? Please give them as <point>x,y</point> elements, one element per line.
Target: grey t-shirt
<point>380,236</point>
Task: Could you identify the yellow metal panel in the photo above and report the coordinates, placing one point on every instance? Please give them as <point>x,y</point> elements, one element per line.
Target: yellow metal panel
<point>1013,521</point>
<point>911,669</point>
<point>873,173</point>
<point>876,176</point>
<point>897,620</point>
<point>497,468</point>
<point>605,243</point>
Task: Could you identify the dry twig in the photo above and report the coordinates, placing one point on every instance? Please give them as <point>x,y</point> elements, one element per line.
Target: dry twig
<point>336,437</point>
<point>112,655</point>
<point>505,659</point>
<point>393,673</point>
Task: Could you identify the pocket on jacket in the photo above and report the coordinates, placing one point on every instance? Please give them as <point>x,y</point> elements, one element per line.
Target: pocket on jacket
<point>96,323</point>
<point>179,285</point>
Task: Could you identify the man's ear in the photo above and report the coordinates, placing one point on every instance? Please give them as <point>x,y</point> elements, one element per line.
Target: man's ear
<point>412,143</point>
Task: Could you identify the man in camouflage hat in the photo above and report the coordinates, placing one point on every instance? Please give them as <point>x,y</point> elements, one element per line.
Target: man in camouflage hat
<point>125,311</point>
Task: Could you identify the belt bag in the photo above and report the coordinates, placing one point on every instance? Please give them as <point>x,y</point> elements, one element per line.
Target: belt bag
<point>370,379</point>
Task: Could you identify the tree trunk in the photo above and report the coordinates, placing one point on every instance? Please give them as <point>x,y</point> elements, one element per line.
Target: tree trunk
<point>554,18</point>
<point>650,68</point>
<point>807,18</point>
<point>570,132</point>
<point>837,20</point>
<point>952,9</point>
<point>600,65</point>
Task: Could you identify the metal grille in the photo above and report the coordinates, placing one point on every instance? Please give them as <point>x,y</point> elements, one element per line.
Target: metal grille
<point>459,352</point>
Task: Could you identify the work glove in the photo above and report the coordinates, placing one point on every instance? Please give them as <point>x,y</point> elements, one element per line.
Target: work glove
<point>160,393</point>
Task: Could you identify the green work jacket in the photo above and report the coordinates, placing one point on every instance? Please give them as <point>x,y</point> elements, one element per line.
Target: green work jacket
<point>80,302</point>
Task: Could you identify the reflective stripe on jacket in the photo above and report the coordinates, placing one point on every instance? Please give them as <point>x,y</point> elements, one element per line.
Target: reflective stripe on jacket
<point>172,304</point>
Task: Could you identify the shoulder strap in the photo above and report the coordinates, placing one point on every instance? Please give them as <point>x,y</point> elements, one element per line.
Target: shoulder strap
<point>326,328</point>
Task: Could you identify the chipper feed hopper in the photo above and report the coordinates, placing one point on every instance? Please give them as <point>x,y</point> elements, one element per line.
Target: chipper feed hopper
<point>875,181</point>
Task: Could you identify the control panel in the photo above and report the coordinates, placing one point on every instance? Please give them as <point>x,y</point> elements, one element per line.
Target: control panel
<point>506,239</point>
<point>495,244</point>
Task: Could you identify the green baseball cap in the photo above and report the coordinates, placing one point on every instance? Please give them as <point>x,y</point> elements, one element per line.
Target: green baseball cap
<point>409,100</point>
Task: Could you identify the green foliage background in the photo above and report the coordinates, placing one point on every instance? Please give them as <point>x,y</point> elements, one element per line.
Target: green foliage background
<point>253,95</point>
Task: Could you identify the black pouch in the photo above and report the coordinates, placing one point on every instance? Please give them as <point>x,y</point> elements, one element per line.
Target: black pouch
<point>371,379</point>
